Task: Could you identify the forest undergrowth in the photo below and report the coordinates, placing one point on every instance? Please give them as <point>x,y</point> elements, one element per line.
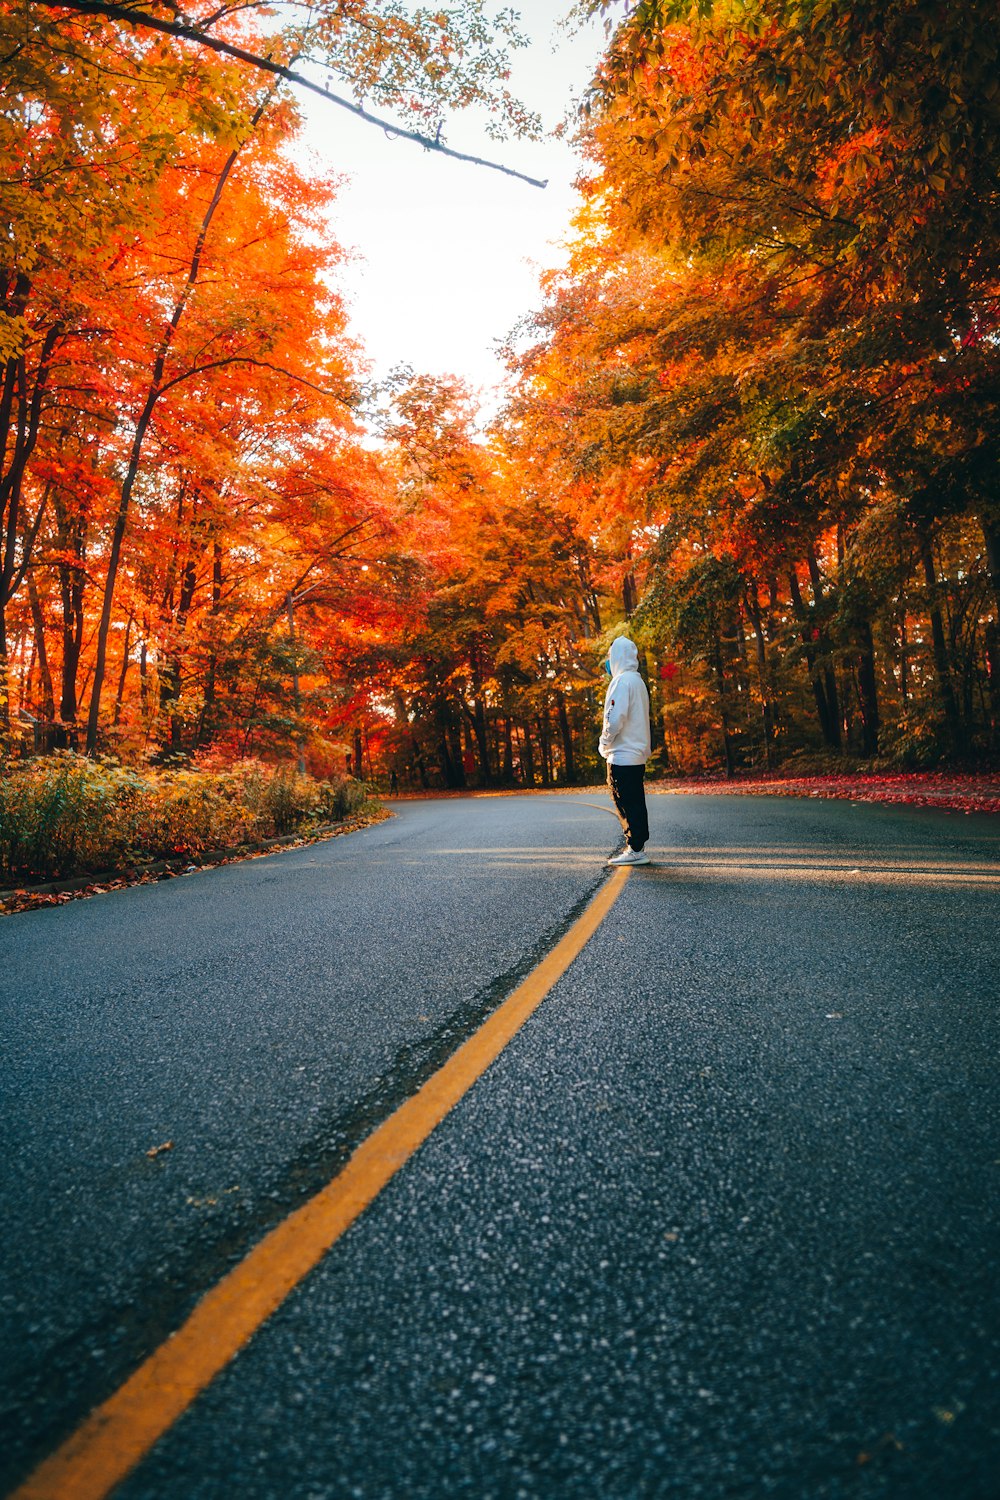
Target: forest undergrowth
<point>64,816</point>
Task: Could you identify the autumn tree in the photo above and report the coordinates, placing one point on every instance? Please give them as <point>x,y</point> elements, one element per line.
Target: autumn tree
<point>490,684</point>
<point>777,332</point>
<point>83,163</point>
<point>180,458</point>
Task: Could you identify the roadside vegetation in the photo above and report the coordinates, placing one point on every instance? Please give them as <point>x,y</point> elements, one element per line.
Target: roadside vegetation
<point>63,815</point>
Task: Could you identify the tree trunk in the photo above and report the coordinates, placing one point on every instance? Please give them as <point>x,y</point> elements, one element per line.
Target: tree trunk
<point>527,754</point>
<point>482,741</point>
<point>868,692</point>
<point>720,684</point>
<point>991,535</point>
<point>171,666</point>
<point>71,531</point>
<point>168,678</point>
<point>630,595</point>
<point>588,598</point>
<point>827,716</point>
<point>48,691</point>
<point>451,764</point>
<point>206,722</point>
<point>763,674</point>
<point>123,674</point>
<point>567,737</point>
<point>939,643</point>
<point>144,676</point>
<point>26,686</point>
<point>993,679</point>
<point>4,687</point>
<point>545,748</point>
<point>829,675</point>
<point>68,701</point>
<point>20,419</point>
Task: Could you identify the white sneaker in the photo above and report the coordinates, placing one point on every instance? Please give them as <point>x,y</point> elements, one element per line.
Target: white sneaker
<point>630,857</point>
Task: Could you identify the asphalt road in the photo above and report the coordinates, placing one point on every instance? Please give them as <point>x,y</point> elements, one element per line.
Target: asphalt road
<point>721,1221</point>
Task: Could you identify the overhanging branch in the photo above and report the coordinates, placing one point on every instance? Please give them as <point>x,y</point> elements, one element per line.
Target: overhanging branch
<point>188,33</point>
<point>257,364</point>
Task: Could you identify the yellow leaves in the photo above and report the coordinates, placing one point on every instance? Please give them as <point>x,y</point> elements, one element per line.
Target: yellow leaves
<point>14,335</point>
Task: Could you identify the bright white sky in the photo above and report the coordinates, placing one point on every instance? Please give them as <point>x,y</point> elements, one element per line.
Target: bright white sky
<point>447,255</point>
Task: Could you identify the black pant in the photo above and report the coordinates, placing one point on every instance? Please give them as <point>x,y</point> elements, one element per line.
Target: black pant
<point>626,784</point>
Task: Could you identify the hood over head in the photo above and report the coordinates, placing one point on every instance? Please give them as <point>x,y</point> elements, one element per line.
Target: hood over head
<point>623,656</point>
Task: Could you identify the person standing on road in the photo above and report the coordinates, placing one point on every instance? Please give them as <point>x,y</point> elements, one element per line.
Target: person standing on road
<point>626,746</point>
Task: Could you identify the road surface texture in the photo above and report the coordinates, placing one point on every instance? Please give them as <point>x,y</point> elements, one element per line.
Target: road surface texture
<point>720,1222</point>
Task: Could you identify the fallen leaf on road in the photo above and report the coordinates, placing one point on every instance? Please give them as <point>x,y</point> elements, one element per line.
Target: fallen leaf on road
<point>888,1442</point>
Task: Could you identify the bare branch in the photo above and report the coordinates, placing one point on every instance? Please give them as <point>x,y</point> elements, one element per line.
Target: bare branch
<point>257,364</point>
<point>268,65</point>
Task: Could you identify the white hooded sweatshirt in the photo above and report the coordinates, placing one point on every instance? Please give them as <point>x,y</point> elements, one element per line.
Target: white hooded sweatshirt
<point>625,733</point>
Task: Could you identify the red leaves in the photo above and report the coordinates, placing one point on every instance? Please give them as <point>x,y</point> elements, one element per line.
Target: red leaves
<point>950,791</point>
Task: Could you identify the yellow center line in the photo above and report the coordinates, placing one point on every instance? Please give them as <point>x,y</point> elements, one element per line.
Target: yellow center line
<point>119,1433</point>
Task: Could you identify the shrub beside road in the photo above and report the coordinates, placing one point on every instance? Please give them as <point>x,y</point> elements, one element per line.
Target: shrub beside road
<point>64,816</point>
